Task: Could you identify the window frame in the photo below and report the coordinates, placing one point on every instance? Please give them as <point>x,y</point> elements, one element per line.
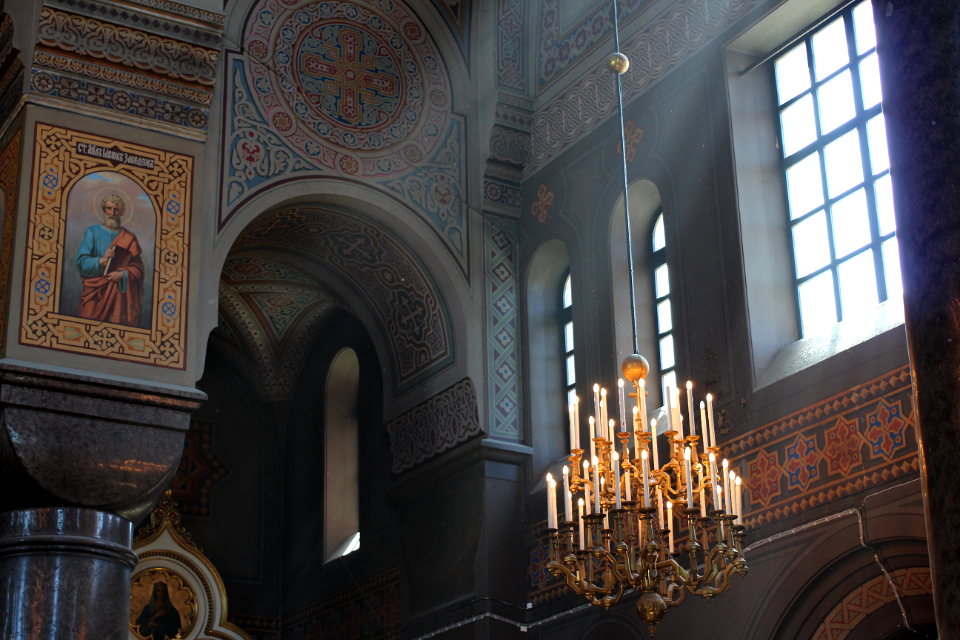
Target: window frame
<point>566,317</point>
<point>658,258</point>
<point>858,123</point>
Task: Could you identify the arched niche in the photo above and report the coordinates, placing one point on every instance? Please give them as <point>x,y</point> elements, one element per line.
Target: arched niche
<point>341,499</point>
<point>645,207</point>
<point>547,397</point>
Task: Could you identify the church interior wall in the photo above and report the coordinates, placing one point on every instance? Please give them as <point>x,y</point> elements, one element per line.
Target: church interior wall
<point>452,525</point>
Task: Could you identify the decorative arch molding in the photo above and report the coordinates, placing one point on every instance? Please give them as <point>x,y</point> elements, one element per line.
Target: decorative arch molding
<point>392,128</point>
<point>858,605</point>
<point>381,269</point>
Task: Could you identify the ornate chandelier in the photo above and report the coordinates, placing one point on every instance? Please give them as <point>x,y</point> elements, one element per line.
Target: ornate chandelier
<point>621,535</point>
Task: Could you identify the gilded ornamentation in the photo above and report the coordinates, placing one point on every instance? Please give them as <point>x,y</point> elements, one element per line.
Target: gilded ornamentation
<point>161,602</point>
<point>164,514</point>
<point>63,159</point>
<point>434,426</point>
<point>9,173</point>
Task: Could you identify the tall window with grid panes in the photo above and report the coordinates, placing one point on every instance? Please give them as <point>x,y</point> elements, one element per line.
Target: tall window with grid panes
<point>661,289</point>
<point>566,321</point>
<point>837,172</point>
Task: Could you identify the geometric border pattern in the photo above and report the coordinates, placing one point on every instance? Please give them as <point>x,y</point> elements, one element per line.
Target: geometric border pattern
<point>57,167</point>
<point>399,289</point>
<point>500,244</point>
<point>9,174</point>
<point>560,49</point>
<point>663,45</point>
<point>862,437</point>
<point>870,596</point>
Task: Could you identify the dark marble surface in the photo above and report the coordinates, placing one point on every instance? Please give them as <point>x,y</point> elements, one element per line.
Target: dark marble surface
<point>65,574</point>
<point>919,48</point>
<point>72,440</point>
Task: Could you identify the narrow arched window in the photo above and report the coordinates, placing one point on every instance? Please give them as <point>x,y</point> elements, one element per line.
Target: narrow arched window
<point>341,491</point>
<point>566,321</point>
<point>664,313</point>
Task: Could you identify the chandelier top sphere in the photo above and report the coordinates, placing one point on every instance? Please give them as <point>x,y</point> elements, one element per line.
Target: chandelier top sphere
<point>618,63</point>
<point>651,608</point>
<point>635,367</point>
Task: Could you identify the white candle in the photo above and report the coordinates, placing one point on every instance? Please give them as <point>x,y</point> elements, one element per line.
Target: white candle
<point>713,435</point>
<point>593,434</point>
<point>693,422</point>
<point>616,476</point>
<point>636,427</point>
<point>596,401</point>
<point>739,500</point>
<point>623,406</point>
<point>670,522</point>
<point>703,422</point>
<point>586,483</point>
<point>646,478</point>
<point>653,436</point>
<point>726,487</point>
<point>580,541</point>
<point>613,431</point>
<point>596,484</point>
<point>553,502</point>
<point>566,492</point>
<point>576,420</point>
<point>629,488</point>
<point>713,481</point>
<point>603,406</point>
<point>703,504</point>
<point>659,504</point>
<point>731,493</point>
<point>550,511</point>
<point>573,433</point>
<point>686,463</point>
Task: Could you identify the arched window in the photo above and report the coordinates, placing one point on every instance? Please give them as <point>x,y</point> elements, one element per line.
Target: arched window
<point>566,322</point>
<point>664,313</point>
<point>341,493</point>
<point>834,149</point>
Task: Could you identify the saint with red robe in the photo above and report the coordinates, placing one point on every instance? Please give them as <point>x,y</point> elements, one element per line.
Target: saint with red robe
<point>111,269</point>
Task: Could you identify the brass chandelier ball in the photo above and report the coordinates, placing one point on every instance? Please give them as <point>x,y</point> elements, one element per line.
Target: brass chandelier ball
<point>618,63</point>
<point>634,367</point>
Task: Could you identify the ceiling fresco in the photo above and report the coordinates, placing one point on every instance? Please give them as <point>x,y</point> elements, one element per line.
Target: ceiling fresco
<point>269,317</point>
<point>356,91</point>
<point>385,273</point>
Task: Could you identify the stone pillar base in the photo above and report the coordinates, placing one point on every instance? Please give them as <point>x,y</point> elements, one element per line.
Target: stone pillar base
<point>65,574</point>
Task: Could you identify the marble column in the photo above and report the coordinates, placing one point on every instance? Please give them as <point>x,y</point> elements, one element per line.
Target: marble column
<point>82,461</point>
<point>919,49</point>
<point>65,574</point>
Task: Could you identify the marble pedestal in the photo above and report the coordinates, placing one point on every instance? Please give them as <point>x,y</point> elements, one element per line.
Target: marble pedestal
<point>65,574</point>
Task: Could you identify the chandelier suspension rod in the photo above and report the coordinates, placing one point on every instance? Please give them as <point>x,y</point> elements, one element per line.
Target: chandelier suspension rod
<point>626,203</point>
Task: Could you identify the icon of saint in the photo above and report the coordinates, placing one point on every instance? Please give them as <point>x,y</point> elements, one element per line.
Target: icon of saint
<point>159,619</point>
<point>111,268</point>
